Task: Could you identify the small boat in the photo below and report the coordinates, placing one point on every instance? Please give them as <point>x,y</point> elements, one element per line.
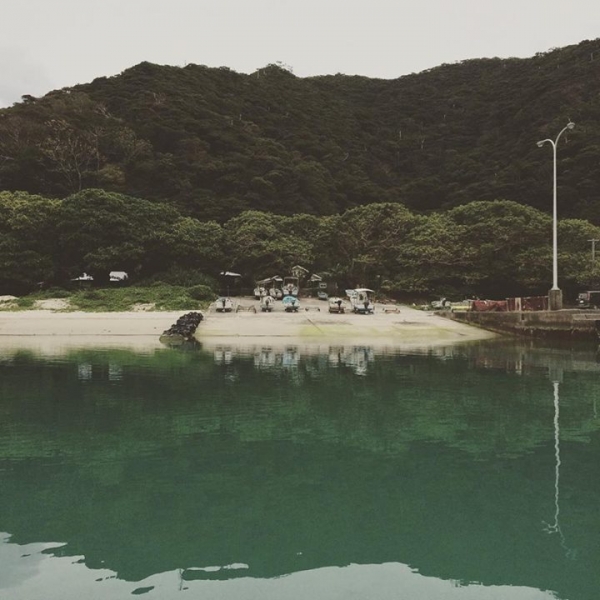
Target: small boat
<point>271,286</point>
<point>276,293</point>
<point>291,286</point>
<point>259,292</point>
<point>337,305</point>
<point>224,304</point>
<point>291,304</point>
<point>266,303</point>
<point>361,301</point>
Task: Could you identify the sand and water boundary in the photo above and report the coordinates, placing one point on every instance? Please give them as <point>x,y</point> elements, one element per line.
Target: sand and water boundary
<point>50,331</point>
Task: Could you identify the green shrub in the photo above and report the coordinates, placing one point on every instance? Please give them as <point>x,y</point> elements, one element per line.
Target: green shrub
<point>201,292</point>
<point>162,296</point>
<point>25,302</point>
<point>178,276</point>
<point>181,302</point>
<point>55,292</point>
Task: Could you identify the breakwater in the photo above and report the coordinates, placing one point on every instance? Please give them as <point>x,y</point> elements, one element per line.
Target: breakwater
<point>562,324</point>
<point>183,329</point>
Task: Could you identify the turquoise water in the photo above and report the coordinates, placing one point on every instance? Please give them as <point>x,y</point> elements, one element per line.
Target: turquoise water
<point>469,472</point>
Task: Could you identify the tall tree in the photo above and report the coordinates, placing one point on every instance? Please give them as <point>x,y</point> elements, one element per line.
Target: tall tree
<point>101,231</point>
<point>27,241</point>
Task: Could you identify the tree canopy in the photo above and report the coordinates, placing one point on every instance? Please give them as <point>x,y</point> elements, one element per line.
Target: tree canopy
<point>493,249</point>
<point>214,143</point>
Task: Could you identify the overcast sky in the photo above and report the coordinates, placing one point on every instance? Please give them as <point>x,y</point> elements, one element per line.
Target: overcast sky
<point>49,44</point>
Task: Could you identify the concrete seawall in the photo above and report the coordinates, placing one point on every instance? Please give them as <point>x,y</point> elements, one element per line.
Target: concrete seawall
<point>562,324</point>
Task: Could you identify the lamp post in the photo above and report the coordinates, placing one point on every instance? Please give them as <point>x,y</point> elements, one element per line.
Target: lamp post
<point>555,294</point>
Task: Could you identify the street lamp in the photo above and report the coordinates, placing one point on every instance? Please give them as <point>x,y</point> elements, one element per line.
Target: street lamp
<point>555,295</point>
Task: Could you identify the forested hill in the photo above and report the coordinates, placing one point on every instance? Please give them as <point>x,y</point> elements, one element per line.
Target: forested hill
<point>214,143</point>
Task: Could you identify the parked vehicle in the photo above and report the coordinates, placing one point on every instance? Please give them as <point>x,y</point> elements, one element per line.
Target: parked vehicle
<point>589,299</point>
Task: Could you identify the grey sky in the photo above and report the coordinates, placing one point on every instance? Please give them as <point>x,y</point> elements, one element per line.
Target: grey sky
<point>49,44</point>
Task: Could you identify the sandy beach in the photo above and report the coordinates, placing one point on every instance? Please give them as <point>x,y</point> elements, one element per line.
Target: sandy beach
<point>48,331</point>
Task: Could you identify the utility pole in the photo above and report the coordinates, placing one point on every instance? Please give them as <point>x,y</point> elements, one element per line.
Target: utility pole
<point>593,250</point>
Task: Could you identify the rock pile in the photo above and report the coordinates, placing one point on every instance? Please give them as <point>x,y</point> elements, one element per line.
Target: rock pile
<point>185,326</point>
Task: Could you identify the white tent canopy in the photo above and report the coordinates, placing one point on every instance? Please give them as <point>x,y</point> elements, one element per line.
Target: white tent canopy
<point>113,276</point>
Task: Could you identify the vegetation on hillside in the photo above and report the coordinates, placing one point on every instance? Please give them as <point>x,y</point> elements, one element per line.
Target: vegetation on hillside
<point>427,184</point>
<point>214,143</point>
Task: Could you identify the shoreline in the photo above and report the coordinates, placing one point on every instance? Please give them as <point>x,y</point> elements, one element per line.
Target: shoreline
<point>54,332</point>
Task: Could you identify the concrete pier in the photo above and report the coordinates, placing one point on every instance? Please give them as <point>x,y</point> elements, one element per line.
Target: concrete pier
<point>558,324</point>
<point>555,299</point>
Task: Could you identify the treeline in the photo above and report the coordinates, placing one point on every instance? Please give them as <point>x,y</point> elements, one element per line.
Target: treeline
<point>490,249</point>
<point>213,143</point>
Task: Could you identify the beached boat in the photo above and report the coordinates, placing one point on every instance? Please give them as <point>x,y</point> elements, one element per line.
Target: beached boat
<point>266,303</point>
<point>224,304</point>
<point>271,286</point>
<point>361,301</point>
<point>291,304</point>
<point>291,286</point>
<point>275,292</point>
<point>337,305</point>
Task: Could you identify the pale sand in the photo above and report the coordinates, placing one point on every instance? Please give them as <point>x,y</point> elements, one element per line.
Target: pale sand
<point>50,332</point>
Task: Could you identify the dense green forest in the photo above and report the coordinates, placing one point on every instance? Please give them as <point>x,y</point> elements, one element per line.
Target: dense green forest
<point>494,249</point>
<point>430,183</point>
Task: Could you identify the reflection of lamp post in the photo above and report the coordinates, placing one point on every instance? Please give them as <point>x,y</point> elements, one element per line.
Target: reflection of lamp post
<point>555,527</point>
<point>555,295</point>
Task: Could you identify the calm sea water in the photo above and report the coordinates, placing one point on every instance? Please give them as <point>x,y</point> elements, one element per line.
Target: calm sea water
<point>469,472</point>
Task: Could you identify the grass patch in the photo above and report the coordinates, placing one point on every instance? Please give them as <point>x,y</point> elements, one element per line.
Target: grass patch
<point>25,303</point>
<point>160,296</point>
